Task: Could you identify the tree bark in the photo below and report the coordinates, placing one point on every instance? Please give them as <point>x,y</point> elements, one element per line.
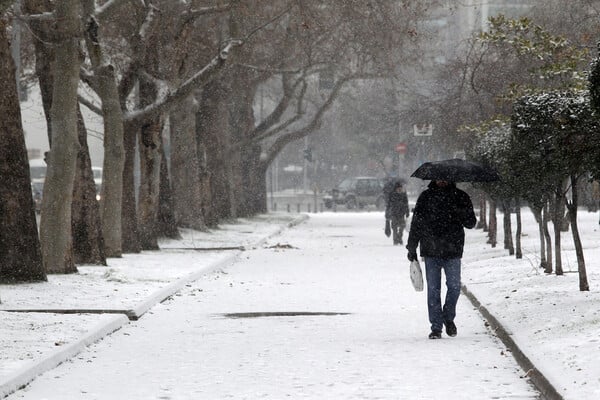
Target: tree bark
<point>88,242</point>
<point>211,127</point>
<point>572,207</point>
<point>130,241</point>
<point>166,225</point>
<point>537,213</point>
<point>44,56</point>
<point>185,168</point>
<point>518,249</point>
<point>482,224</point>
<point>257,194</point>
<point>149,150</point>
<point>493,224</point>
<point>87,237</point>
<point>55,225</point>
<point>548,238</point>
<point>508,242</point>
<point>557,219</point>
<point>114,153</point>
<point>20,250</point>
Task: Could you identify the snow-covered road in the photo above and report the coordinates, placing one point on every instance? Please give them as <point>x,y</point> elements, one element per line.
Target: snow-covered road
<point>188,348</point>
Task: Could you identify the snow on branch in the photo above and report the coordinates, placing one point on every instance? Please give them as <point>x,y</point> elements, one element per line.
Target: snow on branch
<point>147,22</point>
<point>47,16</point>
<point>107,8</point>
<point>170,98</point>
<point>208,10</point>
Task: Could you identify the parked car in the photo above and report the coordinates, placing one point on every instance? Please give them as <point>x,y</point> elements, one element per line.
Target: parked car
<point>97,171</point>
<point>357,192</point>
<point>37,188</point>
<point>37,172</point>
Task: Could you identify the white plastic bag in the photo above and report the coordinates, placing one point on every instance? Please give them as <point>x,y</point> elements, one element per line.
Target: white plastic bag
<point>416,275</point>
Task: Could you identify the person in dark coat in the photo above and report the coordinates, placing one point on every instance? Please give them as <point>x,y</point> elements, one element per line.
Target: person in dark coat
<point>396,211</point>
<point>441,213</point>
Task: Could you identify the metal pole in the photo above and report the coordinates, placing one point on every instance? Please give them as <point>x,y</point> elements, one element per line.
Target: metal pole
<point>304,170</point>
<point>399,153</point>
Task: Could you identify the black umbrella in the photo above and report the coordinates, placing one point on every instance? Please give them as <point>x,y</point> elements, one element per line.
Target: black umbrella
<point>455,170</point>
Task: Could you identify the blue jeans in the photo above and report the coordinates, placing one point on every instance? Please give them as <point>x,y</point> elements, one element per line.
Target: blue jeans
<point>433,271</point>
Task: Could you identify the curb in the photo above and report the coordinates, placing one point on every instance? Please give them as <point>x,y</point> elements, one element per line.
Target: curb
<point>23,376</point>
<point>28,373</point>
<point>537,378</point>
<point>169,290</point>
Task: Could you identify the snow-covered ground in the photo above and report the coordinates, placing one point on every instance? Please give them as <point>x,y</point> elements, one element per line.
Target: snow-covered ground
<point>187,348</point>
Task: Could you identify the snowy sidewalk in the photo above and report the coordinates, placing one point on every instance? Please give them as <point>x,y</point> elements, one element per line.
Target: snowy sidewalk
<point>555,325</point>
<point>323,311</point>
<point>370,341</point>
<point>51,330</point>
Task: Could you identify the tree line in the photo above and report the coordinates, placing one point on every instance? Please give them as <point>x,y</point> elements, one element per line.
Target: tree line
<point>187,71</point>
<point>544,137</point>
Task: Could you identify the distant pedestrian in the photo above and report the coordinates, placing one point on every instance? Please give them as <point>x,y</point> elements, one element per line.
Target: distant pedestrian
<point>396,211</point>
<point>441,213</point>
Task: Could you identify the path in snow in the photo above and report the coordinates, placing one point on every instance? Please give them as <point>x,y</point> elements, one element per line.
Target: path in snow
<point>187,348</point>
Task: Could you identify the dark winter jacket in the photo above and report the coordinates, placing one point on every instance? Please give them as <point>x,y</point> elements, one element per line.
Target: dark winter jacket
<point>438,220</point>
<point>397,206</point>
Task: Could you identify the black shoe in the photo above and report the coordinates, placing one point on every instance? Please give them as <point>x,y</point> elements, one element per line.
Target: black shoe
<point>435,335</point>
<point>450,328</point>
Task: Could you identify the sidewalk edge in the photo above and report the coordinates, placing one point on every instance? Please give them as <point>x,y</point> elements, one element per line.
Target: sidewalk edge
<point>163,294</point>
<point>28,373</point>
<point>174,287</point>
<point>539,380</point>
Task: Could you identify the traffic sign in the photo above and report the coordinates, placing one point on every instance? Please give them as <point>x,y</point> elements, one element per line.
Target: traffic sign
<point>401,148</point>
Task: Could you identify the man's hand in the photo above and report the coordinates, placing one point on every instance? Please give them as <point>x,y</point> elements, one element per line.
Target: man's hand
<point>412,256</point>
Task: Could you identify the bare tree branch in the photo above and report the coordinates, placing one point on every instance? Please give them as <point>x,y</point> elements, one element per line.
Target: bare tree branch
<point>139,44</point>
<point>197,80</point>
<point>283,140</point>
<point>108,8</point>
<point>47,16</point>
<point>91,106</point>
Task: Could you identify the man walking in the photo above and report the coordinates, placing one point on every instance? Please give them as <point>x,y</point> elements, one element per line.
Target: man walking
<point>441,213</point>
<point>396,211</point>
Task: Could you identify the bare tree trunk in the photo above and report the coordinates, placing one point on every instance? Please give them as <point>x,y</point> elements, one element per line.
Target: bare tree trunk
<point>88,243</point>
<point>44,56</point>
<point>518,250</point>
<point>20,252</point>
<point>257,197</point>
<point>185,168</point>
<point>545,219</point>
<point>583,281</point>
<point>87,237</point>
<point>256,182</point>
<point>149,184</point>
<point>242,124</point>
<point>211,126</point>
<point>508,242</point>
<point>55,224</point>
<point>537,213</point>
<point>493,224</point>
<point>557,218</point>
<point>114,153</point>
<point>130,241</point>
<point>165,224</point>
<point>482,224</point>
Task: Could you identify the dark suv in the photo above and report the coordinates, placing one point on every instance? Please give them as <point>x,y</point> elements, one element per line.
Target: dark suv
<point>357,192</point>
